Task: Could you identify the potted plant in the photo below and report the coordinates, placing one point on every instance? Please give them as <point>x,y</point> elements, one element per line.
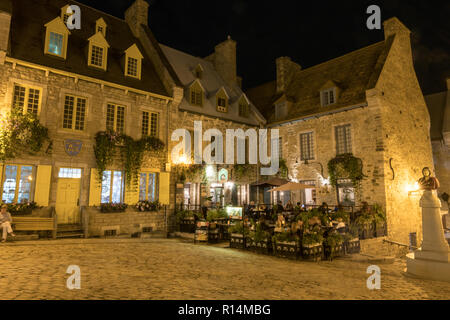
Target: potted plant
<point>311,245</point>
<point>113,207</point>
<point>237,239</point>
<point>365,224</point>
<point>285,244</point>
<point>351,243</point>
<point>380,221</point>
<point>261,240</point>
<point>186,221</point>
<point>26,208</point>
<point>333,245</point>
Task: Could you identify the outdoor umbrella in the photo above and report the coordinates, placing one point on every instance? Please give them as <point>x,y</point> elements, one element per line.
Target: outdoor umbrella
<point>292,186</point>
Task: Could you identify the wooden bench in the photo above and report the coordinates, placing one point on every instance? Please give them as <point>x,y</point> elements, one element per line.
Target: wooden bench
<point>34,224</point>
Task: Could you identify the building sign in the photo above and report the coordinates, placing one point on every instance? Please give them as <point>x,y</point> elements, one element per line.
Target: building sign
<point>73,147</point>
<point>222,177</point>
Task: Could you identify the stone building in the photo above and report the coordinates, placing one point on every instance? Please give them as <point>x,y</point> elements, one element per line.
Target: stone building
<point>439,108</point>
<point>366,105</point>
<point>108,75</point>
<point>213,98</point>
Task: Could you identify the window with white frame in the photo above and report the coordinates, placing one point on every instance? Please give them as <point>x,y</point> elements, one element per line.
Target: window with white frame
<point>328,96</point>
<point>97,56</point>
<point>148,186</point>
<point>56,42</point>
<point>149,124</point>
<point>112,187</point>
<point>115,118</point>
<point>343,139</point>
<point>74,117</point>
<point>74,173</point>
<point>306,146</point>
<point>281,110</point>
<point>26,98</point>
<point>133,62</point>
<point>17,183</point>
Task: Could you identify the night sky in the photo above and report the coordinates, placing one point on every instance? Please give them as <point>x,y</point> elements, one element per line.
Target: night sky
<point>309,32</point>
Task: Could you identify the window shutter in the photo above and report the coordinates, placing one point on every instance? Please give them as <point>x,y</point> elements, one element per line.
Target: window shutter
<point>131,195</point>
<point>42,188</point>
<point>164,187</point>
<point>95,189</point>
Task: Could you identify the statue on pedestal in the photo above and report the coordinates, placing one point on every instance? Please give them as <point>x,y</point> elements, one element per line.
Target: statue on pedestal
<point>427,182</point>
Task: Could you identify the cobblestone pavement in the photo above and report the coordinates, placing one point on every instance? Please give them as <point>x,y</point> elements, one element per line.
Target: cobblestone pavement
<point>172,269</point>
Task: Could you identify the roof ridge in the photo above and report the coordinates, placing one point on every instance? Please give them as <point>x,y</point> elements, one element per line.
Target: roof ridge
<point>344,55</point>
<point>186,54</point>
<point>105,13</point>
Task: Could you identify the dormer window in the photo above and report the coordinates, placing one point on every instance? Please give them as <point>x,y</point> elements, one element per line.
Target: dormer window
<point>198,71</point>
<point>133,62</point>
<point>222,101</point>
<point>98,51</point>
<point>243,107</point>
<point>196,94</point>
<point>100,26</point>
<point>328,97</point>
<point>64,15</point>
<point>56,36</point>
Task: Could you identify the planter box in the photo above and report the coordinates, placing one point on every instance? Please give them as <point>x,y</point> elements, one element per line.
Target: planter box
<point>213,235</point>
<point>288,250</point>
<point>334,251</point>
<point>352,246</point>
<point>312,252</point>
<point>201,236</point>
<point>237,241</point>
<point>187,226</point>
<point>262,247</point>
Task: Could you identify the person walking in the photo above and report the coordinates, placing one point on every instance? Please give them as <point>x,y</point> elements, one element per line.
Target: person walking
<point>5,222</point>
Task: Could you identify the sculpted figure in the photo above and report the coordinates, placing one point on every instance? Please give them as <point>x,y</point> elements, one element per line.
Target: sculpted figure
<point>427,182</point>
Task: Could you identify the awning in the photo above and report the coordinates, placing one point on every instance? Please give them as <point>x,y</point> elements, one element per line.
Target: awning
<point>292,186</point>
<point>273,182</point>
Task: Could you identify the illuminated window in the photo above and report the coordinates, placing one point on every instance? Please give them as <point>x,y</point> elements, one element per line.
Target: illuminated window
<point>74,113</point>
<point>115,118</point>
<point>17,184</point>
<point>27,99</point>
<point>343,139</point>
<point>148,186</point>
<point>55,44</point>
<point>306,146</point>
<point>149,124</point>
<point>112,187</point>
<point>74,173</point>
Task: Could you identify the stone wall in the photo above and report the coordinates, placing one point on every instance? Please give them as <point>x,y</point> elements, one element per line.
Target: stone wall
<point>364,127</point>
<point>125,223</point>
<point>54,87</point>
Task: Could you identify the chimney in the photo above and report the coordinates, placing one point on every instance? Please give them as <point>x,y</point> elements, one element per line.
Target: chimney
<point>285,70</point>
<point>224,59</point>
<point>137,15</point>
<point>393,26</point>
<point>5,23</point>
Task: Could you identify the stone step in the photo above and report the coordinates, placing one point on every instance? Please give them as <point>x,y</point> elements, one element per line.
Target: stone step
<point>69,227</point>
<point>154,235</point>
<point>22,237</point>
<point>75,234</point>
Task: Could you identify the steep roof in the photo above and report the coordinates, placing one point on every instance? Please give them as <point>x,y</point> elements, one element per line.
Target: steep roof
<point>185,64</point>
<point>354,73</point>
<point>437,105</point>
<point>28,37</point>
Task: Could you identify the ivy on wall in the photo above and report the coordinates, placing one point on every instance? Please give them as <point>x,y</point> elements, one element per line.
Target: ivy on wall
<point>22,133</point>
<point>345,166</point>
<point>131,152</point>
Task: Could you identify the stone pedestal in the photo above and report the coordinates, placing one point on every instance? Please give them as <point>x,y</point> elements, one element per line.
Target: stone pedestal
<point>432,260</point>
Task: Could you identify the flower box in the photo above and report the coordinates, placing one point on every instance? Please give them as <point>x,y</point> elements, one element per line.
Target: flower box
<point>288,250</point>
<point>352,246</point>
<point>334,251</point>
<point>201,236</point>
<point>213,235</point>
<point>262,247</point>
<point>312,252</point>
<point>367,232</point>
<point>237,241</point>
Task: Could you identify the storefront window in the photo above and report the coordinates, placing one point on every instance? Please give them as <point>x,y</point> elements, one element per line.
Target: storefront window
<point>148,187</point>
<point>17,184</point>
<point>112,187</point>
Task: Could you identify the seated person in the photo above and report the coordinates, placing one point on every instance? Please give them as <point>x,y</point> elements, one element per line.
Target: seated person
<point>289,206</point>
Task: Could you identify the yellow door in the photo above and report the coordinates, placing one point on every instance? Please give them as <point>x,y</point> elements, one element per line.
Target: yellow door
<point>67,201</point>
